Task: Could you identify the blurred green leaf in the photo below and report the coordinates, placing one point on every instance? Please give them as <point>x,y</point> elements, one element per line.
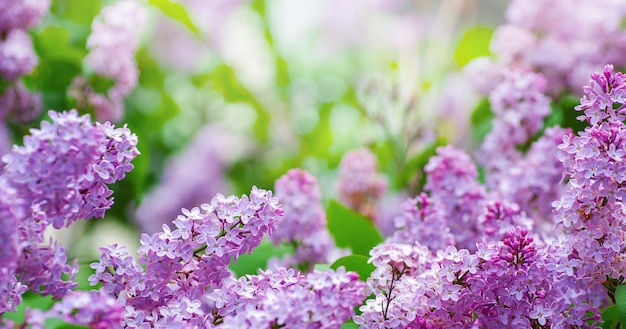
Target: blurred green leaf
<point>321,267</point>
<point>251,263</point>
<point>101,84</point>
<point>481,119</point>
<point>416,164</point>
<point>54,323</point>
<point>473,44</point>
<point>318,140</point>
<point>224,80</point>
<point>610,318</point>
<point>31,301</point>
<point>79,11</point>
<point>355,263</point>
<point>620,302</point>
<point>151,75</point>
<point>176,11</point>
<point>350,325</point>
<point>566,106</point>
<point>352,230</point>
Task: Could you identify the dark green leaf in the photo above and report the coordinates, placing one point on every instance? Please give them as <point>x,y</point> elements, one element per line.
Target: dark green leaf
<point>609,316</point>
<point>176,11</point>
<point>473,44</point>
<point>250,264</point>
<point>620,302</point>
<point>481,119</point>
<point>416,164</point>
<point>350,325</point>
<point>352,230</point>
<point>355,263</point>
<point>79,11</point>
<point>54,323</point>
<point>321,267</point>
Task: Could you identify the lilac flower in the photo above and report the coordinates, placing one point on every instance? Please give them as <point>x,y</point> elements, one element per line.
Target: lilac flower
<point>452,184</point>
<point>590,211</point>
<point>17,56</point>
<point>287,298</point>
<point>304,222</point>
<point>21,14</point>
<point>51,180</point>
<point>564,51</point>
<point>423,221</point>
<point>19,105</point>
<point>182,264</point>
<point>360,184</point>
<point>112,43</point>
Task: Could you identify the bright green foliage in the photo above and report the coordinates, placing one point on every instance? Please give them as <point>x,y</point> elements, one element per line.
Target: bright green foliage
<point>352,230</point>
<point>356,263</point>
<point>473,44</point>
<point>177,12</point>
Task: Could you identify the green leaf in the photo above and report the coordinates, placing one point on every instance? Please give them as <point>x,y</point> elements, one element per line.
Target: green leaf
<point>416,164</point>
<point>79,11</point>
<point>321,267</point>
<point>54,323</point>
<point>352,230</point>
<point>481,119</point>
<point>620,302</point>
<point>224,80</point>
<point>473,44</point>
<point>176,11</point>
<point>350,325</point>
<point>251,263</point>
<point>609,316</point>
<point>101,84</point>
<point>355,263</point>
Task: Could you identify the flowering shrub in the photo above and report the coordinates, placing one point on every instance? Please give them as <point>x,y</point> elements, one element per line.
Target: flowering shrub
<point>390,205</point>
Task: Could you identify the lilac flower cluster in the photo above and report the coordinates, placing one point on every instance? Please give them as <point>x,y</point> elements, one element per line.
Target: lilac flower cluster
<point>112,43</point>
<point>422,221</point>
<point>591,210</point>
<point>59,176</point>
<point>360,184</point>
<point>18,58</point>
<point>528,179</point>
<point>564,50</point>
<point>503,284</point>
<point>304,222</point>
<point>19,105</point>
<point>285,298</point>
<point>182,265</point>
<point>453,185</point>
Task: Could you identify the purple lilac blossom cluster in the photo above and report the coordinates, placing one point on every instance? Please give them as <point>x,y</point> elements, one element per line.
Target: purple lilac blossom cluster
<point>526,178</point>
<point>564,50</point>
<point>590,212</point>
<point>506,283</point>
<point>423,221</point>
<point>112,43</point>
<point>182,265</point>
<point>58,176</point>
<point>452,183</point>
<point>286,298</point>
<point>304,222</point>
<point>18,58</point>
<point>360,184</point>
